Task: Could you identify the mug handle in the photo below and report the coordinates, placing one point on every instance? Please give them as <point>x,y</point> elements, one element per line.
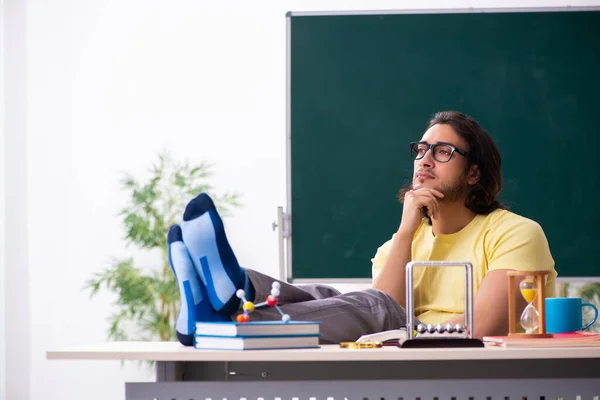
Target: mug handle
<point>595,315</point>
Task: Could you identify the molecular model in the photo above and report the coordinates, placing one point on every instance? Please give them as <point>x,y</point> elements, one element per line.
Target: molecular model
<point>248,306</point>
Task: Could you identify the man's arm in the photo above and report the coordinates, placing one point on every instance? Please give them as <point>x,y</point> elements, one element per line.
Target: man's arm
<point>392,279</point>
<point>518,244</point>
<point>490,305</point>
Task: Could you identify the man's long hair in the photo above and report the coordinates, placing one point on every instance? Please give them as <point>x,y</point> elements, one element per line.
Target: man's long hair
<point>481,197</point>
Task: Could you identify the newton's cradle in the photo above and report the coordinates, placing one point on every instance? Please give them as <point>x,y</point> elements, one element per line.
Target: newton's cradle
<point>433,335</point>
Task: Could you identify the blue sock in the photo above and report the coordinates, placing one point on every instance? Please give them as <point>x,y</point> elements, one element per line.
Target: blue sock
<point>194,299</point>
<point>204,237</point>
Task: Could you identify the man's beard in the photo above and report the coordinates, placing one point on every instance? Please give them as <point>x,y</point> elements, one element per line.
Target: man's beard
<point>454,190</point>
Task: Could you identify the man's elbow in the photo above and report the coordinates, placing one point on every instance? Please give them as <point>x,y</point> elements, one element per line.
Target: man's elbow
<point>490,328</point>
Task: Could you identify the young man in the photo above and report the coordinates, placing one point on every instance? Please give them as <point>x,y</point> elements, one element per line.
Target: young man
<point>450,212</point>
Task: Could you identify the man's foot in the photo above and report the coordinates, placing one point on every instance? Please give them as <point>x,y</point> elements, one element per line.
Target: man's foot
<point>194,298</point>
<point>204,236</point>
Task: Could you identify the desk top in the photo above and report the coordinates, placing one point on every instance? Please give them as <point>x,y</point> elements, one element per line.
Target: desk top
<point>174,351</point>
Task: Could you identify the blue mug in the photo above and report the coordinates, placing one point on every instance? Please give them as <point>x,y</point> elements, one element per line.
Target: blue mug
<point>563,314</point>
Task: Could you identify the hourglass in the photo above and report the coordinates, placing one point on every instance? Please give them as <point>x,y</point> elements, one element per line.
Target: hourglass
<point>533,317</point>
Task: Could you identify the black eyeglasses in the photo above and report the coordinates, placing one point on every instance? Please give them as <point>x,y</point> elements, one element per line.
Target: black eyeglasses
<point>442,152</point>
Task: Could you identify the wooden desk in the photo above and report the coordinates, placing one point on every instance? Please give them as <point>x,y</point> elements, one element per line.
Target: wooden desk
<point>389,373</point>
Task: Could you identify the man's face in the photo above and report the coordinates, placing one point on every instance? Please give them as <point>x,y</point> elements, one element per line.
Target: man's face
<point>450,177</point>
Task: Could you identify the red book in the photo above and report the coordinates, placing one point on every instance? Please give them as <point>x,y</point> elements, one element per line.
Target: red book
<point>571,339</point>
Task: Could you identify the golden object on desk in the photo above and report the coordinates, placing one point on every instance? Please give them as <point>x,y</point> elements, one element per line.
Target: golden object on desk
<point>363,345</point>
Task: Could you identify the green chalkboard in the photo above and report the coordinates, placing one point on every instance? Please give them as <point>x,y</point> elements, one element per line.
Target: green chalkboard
<point>363,86</point>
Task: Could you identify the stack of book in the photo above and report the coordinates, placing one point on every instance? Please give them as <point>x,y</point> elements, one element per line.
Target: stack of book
<point>256,335</point>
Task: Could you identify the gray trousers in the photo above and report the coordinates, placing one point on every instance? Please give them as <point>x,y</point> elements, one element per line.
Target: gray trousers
<point>344,317</point>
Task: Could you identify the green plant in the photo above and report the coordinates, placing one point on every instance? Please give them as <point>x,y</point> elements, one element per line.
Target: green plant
<point>148,300</point>
<point>590,293</point>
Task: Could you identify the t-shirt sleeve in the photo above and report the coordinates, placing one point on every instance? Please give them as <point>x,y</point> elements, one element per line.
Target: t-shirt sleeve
<point>380,258</point>
<point>520,245</point>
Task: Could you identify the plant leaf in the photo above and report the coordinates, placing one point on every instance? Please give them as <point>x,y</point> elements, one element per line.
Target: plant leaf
<point>147,300</point>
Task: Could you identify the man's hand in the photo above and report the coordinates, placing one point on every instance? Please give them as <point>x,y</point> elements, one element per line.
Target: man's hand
<point>414,201</point>
<point>392,279</point>
<point>490,305</point>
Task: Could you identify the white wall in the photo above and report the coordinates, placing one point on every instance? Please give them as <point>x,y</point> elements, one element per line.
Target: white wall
<point>2,268</point>
<point>106,85</point>
<point>2,284</point>
<point>15,254</point>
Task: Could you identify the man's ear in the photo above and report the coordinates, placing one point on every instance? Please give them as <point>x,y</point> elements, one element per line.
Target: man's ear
<point>473,175</point>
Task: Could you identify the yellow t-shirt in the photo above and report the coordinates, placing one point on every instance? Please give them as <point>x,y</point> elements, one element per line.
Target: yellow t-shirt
<point>499,240</point>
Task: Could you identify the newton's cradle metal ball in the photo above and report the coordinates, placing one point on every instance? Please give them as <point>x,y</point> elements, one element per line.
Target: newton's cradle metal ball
<point>439,328</point>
